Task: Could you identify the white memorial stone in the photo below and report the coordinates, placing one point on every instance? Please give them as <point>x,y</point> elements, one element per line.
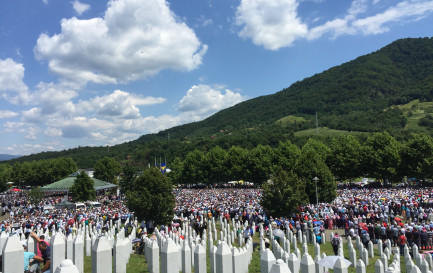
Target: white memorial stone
<point>78,253</point>
<point>13,255</point>
<point>307,264</point>
<point>101,256</point>
<point>200,259</point>
<point>58,247</point>
<point>66,266</point>
<point>223,258</point>
<point>279,267</point>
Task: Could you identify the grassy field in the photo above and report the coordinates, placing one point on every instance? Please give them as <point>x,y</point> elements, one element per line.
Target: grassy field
<point>137,263</point>
<point>325,131</point>
<point>414,111</point>
<point>288,120</point>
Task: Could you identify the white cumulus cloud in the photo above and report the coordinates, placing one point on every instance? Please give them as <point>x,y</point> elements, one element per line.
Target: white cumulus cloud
<point>27,148</point>
<point>7,114</point>
<point>403,11</point>
<point>118,104</point>
<point>12,87</point>
<point>53,132</point>
<point>270,23</point>
<point>83,127</point>
<point>111,119</point>
<point>28,130</point>
<point>134,39</point>
<point>275,24</point>
<point>79,7</point>
<point>202,100</point>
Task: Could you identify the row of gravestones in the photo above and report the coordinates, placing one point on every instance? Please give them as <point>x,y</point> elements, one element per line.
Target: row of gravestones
<point>177,254</point>
<point>279,260</point>
<point>67,253</point>
<point>194,247</point>
<point>170,253</point>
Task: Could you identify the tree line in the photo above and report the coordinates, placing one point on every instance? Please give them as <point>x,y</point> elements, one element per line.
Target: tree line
<point>39,173</point>
<point>342,158</point>
<point>286,173</point>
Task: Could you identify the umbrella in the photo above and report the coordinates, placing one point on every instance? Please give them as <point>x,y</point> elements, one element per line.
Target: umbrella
<point>15,190</point>
<point>329,261</point>
<point>278,233</point>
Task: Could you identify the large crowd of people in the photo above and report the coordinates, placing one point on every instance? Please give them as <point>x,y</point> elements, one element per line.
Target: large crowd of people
<point>45,215</point>
<point>403,215</point>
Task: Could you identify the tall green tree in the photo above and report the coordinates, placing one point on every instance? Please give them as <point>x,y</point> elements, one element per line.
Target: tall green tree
<point>345,158</point>
<point>216,160</point>
<point>417,156</point>
<point>5,176</point>
<point>260,163</point>
<point>287,155</point>
<point>36,195</point>
<point>236,163</point>
<point>194,171</point>
<point>176,169</point>
<point>107,169</point>
<point>310,164</point>
<point>83,188</point>
<point>61,167</point>
<point>382,155</point>
<point>284,193</point>
<point>151,197</point>
<point>127,181</point>
<point>318,146</point>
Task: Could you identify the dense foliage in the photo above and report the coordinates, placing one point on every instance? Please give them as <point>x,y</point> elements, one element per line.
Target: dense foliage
<point>127,180</point>
<point>151,197</point>
<point>37,173</point>
<point>83,188</point>
<point>107,169</point>
<point>36,195</point>
<point>286,190</point>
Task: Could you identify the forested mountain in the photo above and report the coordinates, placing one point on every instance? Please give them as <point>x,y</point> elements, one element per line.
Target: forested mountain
<point>353,96</point>
<point>390,89</point>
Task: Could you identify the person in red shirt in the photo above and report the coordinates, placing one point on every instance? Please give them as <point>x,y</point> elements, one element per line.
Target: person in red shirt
<point>401,243</point>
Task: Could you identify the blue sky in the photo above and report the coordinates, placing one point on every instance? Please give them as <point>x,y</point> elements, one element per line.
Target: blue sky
<point>97,73</point>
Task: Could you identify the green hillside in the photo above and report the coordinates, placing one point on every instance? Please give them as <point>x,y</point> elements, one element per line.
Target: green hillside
<point>352,96</point>
<point>390,89</point>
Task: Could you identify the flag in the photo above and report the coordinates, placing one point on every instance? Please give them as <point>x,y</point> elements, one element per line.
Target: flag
<point>163,167</point>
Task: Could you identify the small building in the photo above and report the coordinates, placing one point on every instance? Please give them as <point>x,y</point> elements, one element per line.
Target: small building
<point>65,184</point>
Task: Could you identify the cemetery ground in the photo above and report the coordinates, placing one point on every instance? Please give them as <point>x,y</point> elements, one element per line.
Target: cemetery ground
<point>137,263</point>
